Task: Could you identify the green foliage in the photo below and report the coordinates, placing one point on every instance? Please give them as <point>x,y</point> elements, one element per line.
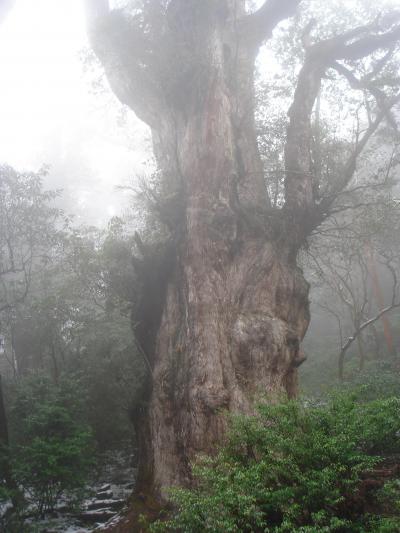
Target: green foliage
<point>4,492</point>
<point>29,228</point>
<point>54,453</point>
<point>389,495</point>
<point>292,468</point>
<point>379,380</point>
<point>76,320</point>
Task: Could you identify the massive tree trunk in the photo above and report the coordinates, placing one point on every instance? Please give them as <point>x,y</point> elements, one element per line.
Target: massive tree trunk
<point>233,306</point>
<point>236,304</point>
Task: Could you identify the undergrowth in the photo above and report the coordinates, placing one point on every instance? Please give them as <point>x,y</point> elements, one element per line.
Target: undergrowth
<point>298,467</point>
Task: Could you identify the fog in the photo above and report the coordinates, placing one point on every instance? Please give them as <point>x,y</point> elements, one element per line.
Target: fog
<point>232,331</point>
<point>52,114</point>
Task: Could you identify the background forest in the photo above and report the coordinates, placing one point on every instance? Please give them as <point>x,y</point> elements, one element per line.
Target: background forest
<point>77,300</point>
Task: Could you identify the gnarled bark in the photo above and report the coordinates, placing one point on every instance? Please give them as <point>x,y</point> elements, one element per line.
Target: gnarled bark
<point>235,305</point>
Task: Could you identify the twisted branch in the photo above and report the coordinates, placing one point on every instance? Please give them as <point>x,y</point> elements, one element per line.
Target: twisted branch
<point>299,187</point>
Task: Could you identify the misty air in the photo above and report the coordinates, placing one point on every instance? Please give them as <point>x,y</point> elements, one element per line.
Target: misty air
<point>199,266</point>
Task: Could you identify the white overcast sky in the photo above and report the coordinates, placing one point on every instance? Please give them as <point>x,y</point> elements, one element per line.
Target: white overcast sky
<point>48,114</point>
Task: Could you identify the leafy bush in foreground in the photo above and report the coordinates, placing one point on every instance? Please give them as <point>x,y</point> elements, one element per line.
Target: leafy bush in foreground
<point>295,469</point>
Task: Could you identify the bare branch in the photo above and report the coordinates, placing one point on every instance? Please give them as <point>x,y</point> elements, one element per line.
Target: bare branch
<point>353,207</point>
<point>363,326</point>
<point>300,189</point>
<point>365,84</point>
<point>380,64</point>
<point>351,164</point>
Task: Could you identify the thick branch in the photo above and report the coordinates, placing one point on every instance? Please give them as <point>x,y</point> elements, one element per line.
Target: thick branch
<point>300,189</point>
<point>367,45</point>
<point>299,180</point>
<point>119,45</point>
<point>258,26</point>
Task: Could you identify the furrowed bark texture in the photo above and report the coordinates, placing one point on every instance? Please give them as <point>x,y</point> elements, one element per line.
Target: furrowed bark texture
<point>234,304</point>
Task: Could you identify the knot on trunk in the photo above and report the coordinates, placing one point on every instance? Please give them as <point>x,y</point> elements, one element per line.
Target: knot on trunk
<point>266,346</point>
<point>213,399</point>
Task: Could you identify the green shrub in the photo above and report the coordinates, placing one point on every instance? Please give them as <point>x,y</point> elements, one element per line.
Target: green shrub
<point>4,493</point>
<point>291,469</point>
<point>379,380</point>
<point>54,455</point>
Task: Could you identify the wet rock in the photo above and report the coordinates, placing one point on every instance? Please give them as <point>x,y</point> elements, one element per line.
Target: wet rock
<point>103,504</point>
<point>98,515</point>
<point>104,495</point>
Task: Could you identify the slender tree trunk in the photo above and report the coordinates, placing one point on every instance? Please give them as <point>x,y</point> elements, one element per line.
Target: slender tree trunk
<point>341,365</point>
<point>53,356</point>
<point>377,344</point>
<point>361,352</point>
<point>380,300</point>
<point>358,331</point>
